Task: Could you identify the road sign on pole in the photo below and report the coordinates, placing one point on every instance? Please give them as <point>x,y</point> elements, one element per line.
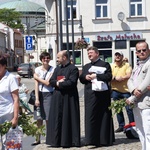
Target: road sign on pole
<point>29,43</point>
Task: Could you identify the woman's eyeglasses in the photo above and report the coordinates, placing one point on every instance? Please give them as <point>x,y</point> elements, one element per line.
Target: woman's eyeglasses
<point>141,50</point>
<point>46,58</point>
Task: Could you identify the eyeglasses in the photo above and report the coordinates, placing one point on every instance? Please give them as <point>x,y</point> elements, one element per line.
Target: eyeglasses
<point>141,50</point>
<point>46,58</point>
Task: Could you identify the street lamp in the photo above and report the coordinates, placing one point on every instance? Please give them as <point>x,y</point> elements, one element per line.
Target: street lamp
<point>45,17</point>
<point>82,36</point>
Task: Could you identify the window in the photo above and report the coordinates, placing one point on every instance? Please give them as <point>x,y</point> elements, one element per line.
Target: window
<point>74,9</point>
<point>101,8</point>
<point>136,8</point>
<point>105,50</point>
<point>77,53</point>
<point>77,56</point>
<point>120,44</point>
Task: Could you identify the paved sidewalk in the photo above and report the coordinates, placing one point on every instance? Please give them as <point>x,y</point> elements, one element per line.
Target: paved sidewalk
<point>121,143</point>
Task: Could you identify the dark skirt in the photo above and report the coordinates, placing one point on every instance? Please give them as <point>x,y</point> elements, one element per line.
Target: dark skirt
<point>45,102</point>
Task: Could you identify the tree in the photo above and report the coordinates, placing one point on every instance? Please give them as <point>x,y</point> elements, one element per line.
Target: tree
<point>11,18</point>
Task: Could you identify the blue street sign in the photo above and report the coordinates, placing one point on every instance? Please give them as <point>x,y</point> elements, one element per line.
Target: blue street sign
<point>87,40</point>
<point>29,41</point>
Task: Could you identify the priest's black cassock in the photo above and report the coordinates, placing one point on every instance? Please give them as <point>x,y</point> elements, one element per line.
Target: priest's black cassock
<point>99,128</point>
<point>63,128</point>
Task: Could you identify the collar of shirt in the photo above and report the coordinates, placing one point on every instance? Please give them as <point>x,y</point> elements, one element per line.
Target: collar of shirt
<point>140,62</point>
<point>6,75</point>
<point>62,66</point>
<point>93,62</point>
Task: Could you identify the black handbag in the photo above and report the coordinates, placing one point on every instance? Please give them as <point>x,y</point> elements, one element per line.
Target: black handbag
<point>32,94</point>
<point>32,98</point>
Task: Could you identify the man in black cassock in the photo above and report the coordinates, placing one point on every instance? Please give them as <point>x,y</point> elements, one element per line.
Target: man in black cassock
<point>63,128</point>
<point>99,128</point>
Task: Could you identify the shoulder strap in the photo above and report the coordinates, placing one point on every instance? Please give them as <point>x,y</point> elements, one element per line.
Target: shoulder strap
<point>45,76</point>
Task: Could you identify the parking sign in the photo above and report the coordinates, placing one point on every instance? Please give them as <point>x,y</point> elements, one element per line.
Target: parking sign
<point>29,43</point>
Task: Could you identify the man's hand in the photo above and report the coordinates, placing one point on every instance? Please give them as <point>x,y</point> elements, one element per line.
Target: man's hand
<point>129,102</point>
<point>93,76</point>
<point>90,77</point>
<point>14,122</point>
<point>119,79</point>
<point>148,87</point>
<point>137,93</point>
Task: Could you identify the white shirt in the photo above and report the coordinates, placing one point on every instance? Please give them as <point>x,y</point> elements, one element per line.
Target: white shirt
<point>8,84</point>
<point>41,73</point>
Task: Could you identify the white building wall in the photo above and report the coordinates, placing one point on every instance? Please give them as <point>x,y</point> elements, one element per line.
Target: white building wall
<point>137,28</point>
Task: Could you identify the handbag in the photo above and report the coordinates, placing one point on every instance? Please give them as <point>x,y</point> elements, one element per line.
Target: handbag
<point>32,94</point>
<point>32,98</point>
<point>14,139</point>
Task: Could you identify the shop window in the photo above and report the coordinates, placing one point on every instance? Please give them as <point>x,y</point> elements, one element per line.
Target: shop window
<point>77,56</point>
<point>77,53</point>
<point>133,43</point>
<point>120,44</point>
<point>106,55</point>
<point>102,44</point>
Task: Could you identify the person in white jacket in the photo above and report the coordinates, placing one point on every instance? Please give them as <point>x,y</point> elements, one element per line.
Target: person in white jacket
<point>138,85</point>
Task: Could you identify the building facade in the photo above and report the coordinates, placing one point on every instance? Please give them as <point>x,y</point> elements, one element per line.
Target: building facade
<point>110,25</point>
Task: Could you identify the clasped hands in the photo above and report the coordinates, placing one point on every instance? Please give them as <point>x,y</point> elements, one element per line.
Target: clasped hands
<point>90,76</point>
<point>61,80</point>
<point>137,93</point>
<point>118,79</point>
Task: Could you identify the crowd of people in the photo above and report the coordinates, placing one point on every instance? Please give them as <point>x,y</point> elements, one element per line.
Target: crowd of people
<point>58,100</point>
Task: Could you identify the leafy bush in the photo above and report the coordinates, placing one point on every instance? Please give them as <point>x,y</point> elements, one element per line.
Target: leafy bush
<point>26,123</point>
<point>118,105</point>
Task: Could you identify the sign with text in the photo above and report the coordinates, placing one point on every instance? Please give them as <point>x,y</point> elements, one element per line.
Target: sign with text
<point>29,44</point>
<point>122,36</point>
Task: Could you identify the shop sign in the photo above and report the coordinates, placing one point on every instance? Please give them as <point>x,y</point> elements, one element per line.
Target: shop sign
<point>125,36</point>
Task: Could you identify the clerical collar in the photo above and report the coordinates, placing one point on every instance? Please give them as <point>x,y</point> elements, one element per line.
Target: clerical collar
<point>65,65</point>
<point>93,62</point>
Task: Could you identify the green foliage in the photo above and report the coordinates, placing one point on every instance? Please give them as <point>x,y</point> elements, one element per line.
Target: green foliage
<point>4,127</point>
<point>25,122</point>
<point>11,18</point>
<point>118,105</point>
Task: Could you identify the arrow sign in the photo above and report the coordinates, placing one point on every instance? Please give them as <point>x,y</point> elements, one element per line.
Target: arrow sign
<point>29,40</point>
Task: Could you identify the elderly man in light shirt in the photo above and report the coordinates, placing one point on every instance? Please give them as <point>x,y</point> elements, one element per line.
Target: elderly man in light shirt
<point>138,85</point>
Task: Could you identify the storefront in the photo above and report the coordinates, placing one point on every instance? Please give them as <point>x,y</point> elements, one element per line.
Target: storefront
<point>108,44</point>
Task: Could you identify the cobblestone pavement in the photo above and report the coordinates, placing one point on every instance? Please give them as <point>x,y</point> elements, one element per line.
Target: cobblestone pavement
<point>121,143</point>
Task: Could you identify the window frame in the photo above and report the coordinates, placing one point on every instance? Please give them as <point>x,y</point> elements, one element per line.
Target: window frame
<point>102,5</point>
<point>69,9</point>
<point>136,8</point>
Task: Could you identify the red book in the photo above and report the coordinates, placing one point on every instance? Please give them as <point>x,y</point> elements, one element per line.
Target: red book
<point>60,77</point>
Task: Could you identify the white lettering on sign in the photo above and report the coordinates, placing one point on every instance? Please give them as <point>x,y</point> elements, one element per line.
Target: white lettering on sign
<point>28,39</point>
<point>29,46</point>
<point>126,36</point>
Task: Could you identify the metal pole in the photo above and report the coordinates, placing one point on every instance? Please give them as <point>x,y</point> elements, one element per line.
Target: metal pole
<point>27,23</point>
<point>82,36</point>
<point>67,30</point>
<point>72,23</point>
<point>60,26</point>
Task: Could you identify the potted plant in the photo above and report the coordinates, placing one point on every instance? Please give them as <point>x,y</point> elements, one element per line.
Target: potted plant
<point>81,44</point>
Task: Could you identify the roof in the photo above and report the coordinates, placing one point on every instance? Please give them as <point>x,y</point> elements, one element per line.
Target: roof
<point>24,6</point>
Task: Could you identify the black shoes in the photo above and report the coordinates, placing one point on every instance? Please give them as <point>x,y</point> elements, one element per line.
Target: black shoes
<point>35,143</point>
<point>120,129</point>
